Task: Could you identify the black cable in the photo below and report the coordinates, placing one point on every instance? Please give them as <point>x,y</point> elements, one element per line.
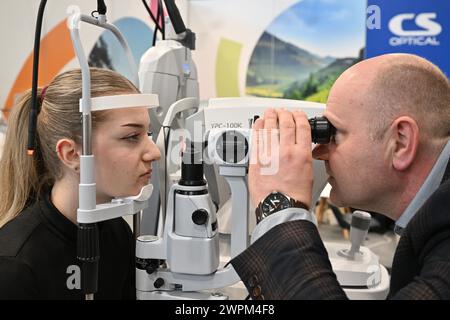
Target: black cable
<point>166,146</point>
<point>154,36</point>
<point>155,21</point>
<point>162,27</point>
<point>175,16</point>
<point>150,13</point>
<point>101,7</point>
<point>34,101</point>
<point>158,17</point>
<point>176,20</point>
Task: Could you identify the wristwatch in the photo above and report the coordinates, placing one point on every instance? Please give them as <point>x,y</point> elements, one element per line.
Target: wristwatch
<point>275,202</point>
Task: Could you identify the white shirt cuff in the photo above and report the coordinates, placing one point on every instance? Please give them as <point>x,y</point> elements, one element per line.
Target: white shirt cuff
<point>289,214</point>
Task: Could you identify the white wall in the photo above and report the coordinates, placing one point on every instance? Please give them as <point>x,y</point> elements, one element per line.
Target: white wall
<point>242,21</point>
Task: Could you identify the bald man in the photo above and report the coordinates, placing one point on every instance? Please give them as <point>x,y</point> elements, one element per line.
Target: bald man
<point>390,154</point>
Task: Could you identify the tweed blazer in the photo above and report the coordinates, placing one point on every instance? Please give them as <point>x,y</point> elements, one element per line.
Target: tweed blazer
<point>290,260</point>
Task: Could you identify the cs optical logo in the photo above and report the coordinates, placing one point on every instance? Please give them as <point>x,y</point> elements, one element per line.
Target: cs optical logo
<point>406,29</point>
<point>424,34</point>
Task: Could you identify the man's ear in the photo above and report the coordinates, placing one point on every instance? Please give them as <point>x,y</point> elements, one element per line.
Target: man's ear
<point>68,153</point>
<point>406,142</point>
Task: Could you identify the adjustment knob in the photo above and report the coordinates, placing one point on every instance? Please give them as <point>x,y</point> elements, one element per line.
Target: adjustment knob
<point>358,229</point>
<point>158,283</point>
<point>200,216</point>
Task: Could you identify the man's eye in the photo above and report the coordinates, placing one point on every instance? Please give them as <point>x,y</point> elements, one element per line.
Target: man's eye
<point>150,133</point>
<point>334,138</point>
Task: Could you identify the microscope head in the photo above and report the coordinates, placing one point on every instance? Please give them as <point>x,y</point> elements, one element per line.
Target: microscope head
<point>227,126</point>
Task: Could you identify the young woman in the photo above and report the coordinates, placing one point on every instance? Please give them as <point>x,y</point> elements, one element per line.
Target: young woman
<point>39,193</point>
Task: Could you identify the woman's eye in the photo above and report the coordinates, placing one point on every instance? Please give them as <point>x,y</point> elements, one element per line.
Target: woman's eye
<point>137,136</point>
<point>132,138</point>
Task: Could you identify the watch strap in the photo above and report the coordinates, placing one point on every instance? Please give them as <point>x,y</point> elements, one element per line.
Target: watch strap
<point>298,204</point>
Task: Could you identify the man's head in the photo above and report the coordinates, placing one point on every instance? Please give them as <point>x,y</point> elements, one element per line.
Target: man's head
<point>392,115</point>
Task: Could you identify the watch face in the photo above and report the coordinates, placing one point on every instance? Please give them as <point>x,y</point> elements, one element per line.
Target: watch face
<point>274,202</point>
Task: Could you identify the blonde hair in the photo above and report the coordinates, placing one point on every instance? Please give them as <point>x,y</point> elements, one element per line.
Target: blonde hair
<point>24,177</point>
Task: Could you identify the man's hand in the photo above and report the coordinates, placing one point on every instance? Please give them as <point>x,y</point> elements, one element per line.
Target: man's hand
<point>281,157</point>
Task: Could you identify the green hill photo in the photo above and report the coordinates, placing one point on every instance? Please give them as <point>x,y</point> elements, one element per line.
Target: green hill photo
<point>317,87</point>
<point>306,48</point>
<point>282,70</point>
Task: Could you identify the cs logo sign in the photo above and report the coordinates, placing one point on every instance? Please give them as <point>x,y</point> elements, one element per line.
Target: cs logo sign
<point>424,35</point>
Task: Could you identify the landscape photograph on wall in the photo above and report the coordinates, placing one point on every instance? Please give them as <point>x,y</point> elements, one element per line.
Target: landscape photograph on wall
<point>305,49</point>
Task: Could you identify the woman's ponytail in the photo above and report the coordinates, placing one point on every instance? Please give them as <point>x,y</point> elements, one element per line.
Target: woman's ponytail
<point>20,174</point>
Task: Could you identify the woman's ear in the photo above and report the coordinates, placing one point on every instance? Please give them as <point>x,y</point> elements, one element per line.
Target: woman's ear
<point>406,142</point>
<point>68,153</point>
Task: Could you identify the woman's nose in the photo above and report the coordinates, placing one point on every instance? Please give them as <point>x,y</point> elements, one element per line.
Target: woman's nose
<point>320,152</point>
<point>151,152</point>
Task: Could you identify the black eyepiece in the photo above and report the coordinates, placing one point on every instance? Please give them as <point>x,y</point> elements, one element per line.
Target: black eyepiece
<point>192,166</point>
<point>321,130</point>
